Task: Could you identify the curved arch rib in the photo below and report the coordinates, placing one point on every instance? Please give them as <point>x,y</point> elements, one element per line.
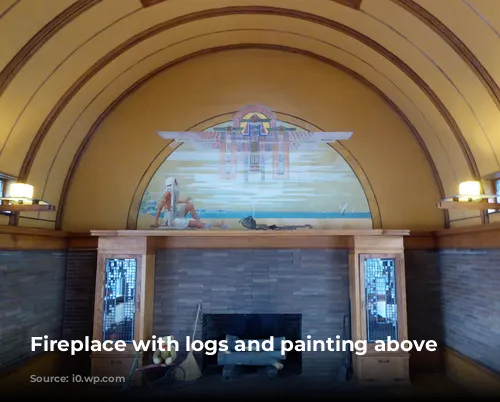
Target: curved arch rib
<point>134,87</point>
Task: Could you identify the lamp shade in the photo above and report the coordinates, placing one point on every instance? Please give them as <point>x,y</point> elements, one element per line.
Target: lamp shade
<point>469,189</point>
<point>20,190</point>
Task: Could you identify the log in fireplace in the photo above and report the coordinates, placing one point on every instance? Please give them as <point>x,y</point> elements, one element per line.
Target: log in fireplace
<point>254,327</point>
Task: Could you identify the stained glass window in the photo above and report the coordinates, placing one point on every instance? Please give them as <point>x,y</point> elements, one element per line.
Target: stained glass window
<point>497,189</point>
<point>380,296</point>
<point>119,299</point>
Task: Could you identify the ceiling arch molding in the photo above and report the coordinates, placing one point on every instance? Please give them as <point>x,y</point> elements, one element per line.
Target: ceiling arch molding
<point>456,44</point>
<point>80,6</point>
<point>171,146</point>
<point>110,83</point>
<point>84,144</point>
<point>22,57</point>
<point>83,79</point>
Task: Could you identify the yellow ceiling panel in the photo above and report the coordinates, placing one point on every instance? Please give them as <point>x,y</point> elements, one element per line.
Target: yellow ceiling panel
<point>434,61</point>
<point>246,37</point>
<point>210,92</point>
<point>21,20</point>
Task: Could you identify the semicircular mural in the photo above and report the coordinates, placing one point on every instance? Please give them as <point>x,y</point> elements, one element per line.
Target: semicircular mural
<point>269,171</point>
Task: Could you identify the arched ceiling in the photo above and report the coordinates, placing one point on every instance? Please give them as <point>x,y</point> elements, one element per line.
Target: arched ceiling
<point>64,64</point>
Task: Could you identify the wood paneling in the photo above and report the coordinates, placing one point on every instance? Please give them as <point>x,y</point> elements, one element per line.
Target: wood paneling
<point>420,241</point>
<point>19,238</point>
<point>14,378</point>
<point>470,374</point>
<point>246,233</point>
<point>476,237</point>
<point>473,237</point>
<point>82,241</point>
<point>24,238</point>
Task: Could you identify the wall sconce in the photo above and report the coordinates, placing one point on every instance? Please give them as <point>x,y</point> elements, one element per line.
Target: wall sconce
<point>21,191</point>
<point>470,198</point>
<point>20,198</point>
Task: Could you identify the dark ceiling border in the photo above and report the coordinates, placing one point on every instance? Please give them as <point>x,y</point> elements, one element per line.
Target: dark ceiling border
<point>150,3</point>
<point>355,4</point>
<point>41,37</point>
<point>9,8</point>
<point>456,44</point>
<point>86,141</point>
<point>260,10</point>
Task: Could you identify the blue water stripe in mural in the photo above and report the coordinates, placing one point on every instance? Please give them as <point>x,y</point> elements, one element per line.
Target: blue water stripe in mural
<point>281,215</point>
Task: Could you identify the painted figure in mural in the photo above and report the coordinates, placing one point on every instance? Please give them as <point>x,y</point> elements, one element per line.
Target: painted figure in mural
<point>176,209</point>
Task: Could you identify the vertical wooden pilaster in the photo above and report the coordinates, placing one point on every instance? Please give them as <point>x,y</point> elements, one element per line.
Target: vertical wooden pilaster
<point>376,367</point>
<point>112,364</point>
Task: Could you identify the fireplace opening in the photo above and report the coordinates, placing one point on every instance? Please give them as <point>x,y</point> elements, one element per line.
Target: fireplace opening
<point>253,326</point>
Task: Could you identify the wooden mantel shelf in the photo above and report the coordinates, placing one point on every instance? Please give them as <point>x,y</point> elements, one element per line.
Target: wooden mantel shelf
<point>240,239</point>
<point>246,233</point>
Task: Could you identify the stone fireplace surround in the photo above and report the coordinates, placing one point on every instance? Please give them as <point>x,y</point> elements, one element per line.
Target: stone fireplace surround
<point>315,273</point>
<point>310,283</point>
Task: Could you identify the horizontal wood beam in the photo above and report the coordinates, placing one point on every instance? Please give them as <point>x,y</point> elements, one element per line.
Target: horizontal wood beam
<point>248,233</point>
<point>469,206</point>
<point>474,237</point>
<point>23,238</point>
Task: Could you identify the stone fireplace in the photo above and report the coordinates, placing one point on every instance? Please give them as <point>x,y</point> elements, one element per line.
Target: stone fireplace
<point>321,276</point>
<point>255,293</point>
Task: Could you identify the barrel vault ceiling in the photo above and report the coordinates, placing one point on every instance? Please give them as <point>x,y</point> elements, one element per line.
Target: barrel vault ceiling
<point>65,64</point>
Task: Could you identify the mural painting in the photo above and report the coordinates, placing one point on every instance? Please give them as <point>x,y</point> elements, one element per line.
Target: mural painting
<point>254,172</point>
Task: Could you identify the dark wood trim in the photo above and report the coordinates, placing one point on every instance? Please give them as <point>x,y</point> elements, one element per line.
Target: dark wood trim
<point>24,238</point>
<point>474,237</point>
<point>456,44</point>
<point>149,3</point>
<point>420,241</point>
<point>139,83</point>
<point>355,4</point>
<point>477,237</point>
<point>41,37</point>
<point>82,242</point>
<point>470,374</point>
<point>234,10</point>
<point>8,9</point>
<point>471,237</point>
<point>19,230</point>
<point>20,238</point>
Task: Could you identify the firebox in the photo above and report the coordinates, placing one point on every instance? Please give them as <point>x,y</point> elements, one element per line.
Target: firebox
<point>254,326</point>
